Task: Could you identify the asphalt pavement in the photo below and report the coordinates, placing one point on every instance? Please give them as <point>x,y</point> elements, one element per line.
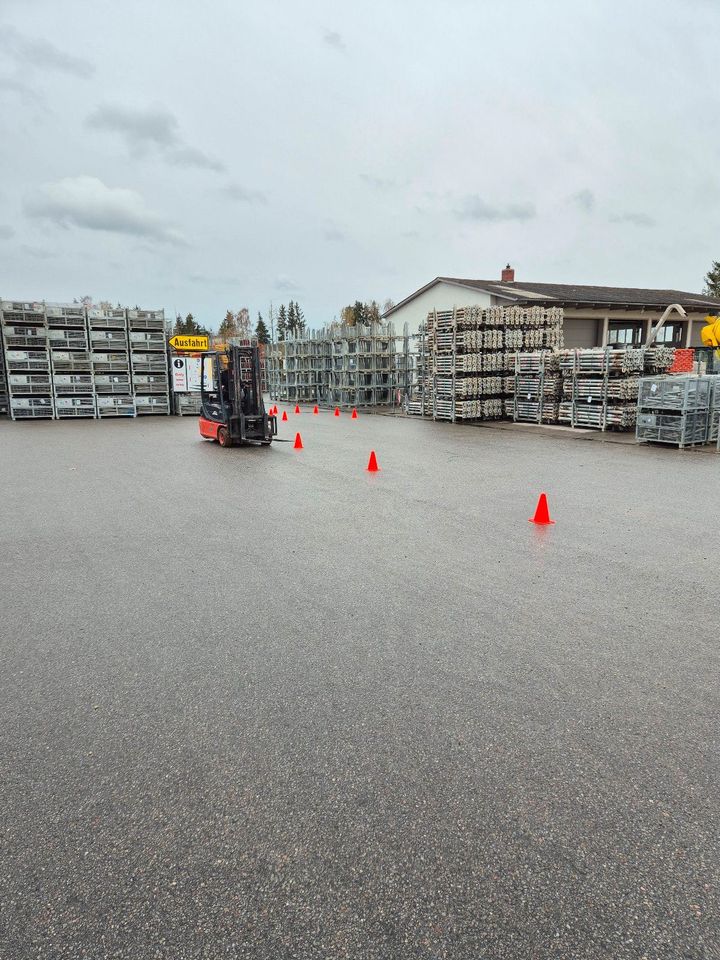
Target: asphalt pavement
<point>259,703</point>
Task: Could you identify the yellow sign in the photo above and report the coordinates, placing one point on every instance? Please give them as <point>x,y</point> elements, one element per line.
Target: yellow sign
<point>189,343</point>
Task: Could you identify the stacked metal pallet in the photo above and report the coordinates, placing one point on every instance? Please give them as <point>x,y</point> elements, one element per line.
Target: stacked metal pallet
<point>27,360</point>
<point>600,387</point>
<point>675,409</point>
<point>536,387</point>
<point>4,404</point>
<point>110,354</point>
<point>148,361</point>
<point>71,365</point>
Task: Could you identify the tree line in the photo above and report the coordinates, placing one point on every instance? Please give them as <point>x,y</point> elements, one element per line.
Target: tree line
<point>290,320</point>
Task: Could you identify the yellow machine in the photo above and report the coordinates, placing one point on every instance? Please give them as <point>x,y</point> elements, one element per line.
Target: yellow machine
<point>710,333</point>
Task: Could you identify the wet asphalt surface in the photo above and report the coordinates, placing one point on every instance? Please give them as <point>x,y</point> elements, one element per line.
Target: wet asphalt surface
<point>260,703</point>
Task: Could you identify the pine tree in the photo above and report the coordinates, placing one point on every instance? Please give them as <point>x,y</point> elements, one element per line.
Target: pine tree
<point>712,280</point>
<point>299,318</point>
<point>261,331</point>
<point>292,319</point>
<point>359,312</point>
<point>228,328</point>
<point>282,325</point>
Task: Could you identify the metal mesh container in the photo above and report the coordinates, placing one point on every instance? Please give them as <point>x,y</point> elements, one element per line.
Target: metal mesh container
<point>110,362</point>
<point>26,408</point>
<point>112,383</point>
<point>68,338</point>
<point>75,361</point>
<point>26,384</point>
<point>150,383</point>
<point>122,406</point>
<point>675,393</point>
<point>146,320</point>
<point>114,340</point>
<point>187,404</point>
<point>25,336</point>
<point>99,319</point>
<point>153,340</point>
<point>27,360</point>
<point>152,405</point>
<point>680,429</point>
<point>67,407</point>
<point>67,384</point>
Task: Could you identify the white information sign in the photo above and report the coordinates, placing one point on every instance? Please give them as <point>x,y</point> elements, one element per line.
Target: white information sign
<point>186,375</point>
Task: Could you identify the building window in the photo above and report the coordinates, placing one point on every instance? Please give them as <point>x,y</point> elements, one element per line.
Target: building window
<point>671,335</point>
<point>624,334</point>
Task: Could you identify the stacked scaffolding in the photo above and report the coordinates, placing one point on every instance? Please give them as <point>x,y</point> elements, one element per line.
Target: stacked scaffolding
<point>71,364</point>
<point>148,361</point>
<point>465,364</point>
<point>536,387</point>
<point>600,387</point>
<point>27,360</point>
<point>675,409</point>
<point>344,367</point>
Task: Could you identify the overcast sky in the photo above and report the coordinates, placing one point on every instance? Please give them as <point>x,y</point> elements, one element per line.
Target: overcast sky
<point>200,156</point>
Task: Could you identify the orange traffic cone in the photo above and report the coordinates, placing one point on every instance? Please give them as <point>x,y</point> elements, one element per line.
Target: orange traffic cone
<point>297,409</point>
<point>284,416</point>
<point>354,415</point>
<point>372,463</point>
<point>298,442</point>
<point>337,411</point>
<point>542,513</point>
<point>315,410</point>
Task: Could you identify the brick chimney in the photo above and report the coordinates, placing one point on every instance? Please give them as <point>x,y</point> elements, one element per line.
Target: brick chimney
<point>508,274</point>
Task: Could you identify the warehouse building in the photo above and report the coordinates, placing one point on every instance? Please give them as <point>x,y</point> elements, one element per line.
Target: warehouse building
<point>594,316</point>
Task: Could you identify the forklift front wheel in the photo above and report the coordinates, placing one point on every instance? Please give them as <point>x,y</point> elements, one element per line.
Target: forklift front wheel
<point>223,437</point>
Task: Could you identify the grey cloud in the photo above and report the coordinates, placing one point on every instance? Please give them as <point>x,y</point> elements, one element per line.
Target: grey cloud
<point>585,199</point>
<point>637,219</point>
<point>19,87</point>
<point>242,194</point>
<point>153,129</point>
<point>381,183</point>
<point>473,207</point>
<point>285,284</point>
<point>88,203</point>
<point>42,54</point>
<point>6,231</point>
<point>335,235</point>
<point>191,157</point>
<point>333,39</point>
<point>38,253</point>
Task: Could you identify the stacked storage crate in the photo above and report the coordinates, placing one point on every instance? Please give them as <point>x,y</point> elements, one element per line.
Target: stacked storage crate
<point>72,373</point>
<point>675,409</point>
<point>27,360</point>
<point>600,387</point>
<point>110,354</point>
<point>4,406</point>
<point>149,362</point>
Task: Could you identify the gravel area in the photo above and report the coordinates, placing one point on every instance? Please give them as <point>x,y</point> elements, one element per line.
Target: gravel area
<point>258,703</point>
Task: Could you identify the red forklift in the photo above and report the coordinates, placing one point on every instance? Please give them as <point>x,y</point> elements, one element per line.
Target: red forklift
<point>233,410</point>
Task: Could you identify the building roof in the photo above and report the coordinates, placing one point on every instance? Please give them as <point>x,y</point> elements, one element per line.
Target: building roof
<point>564,294</point>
